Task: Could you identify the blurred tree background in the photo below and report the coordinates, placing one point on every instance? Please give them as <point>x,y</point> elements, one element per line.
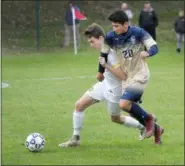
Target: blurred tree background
<point>19,21</point>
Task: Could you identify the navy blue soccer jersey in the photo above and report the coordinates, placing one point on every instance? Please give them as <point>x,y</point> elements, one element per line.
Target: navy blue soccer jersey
<point>127,47</point>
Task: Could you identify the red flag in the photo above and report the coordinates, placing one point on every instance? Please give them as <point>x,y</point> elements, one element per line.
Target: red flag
<point>76,15</point>
<point>79,15</point>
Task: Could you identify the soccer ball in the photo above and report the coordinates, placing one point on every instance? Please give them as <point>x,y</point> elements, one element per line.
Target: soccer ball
<point>35,142</point>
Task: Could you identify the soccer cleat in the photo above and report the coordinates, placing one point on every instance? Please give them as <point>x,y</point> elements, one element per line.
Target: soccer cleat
<point>149,124</point>
<point>73,142</point>
<point>142,134</point>
<point>157,134</point>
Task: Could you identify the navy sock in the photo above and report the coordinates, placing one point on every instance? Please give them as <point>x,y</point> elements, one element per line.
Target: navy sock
<point>140,120</point>
<point>140,114</point>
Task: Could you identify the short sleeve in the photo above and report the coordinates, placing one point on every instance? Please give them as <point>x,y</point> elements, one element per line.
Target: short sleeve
<point>112,59</point>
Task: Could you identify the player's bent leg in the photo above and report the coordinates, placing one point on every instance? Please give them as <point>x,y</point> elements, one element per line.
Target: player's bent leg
<point>78,117</point>
<point>125,105</point>
<point>84,102</point>
<point>128,104</point>
<point>133,123</point>
<point>114,112</point>
<point>127,121</point>
<point>92,96</point>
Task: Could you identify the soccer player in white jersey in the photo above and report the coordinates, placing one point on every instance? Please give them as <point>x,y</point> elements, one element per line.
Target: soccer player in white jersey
<point>128,44</point>
<point>109,89</point>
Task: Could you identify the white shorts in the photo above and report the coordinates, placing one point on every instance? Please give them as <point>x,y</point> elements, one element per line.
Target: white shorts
<point>113,108</point>
<point>100,92</point>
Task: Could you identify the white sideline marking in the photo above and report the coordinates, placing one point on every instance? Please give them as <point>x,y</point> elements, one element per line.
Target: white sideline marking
<point>167,74</point>
<point>4,85</point>
<point>66,78</point>
<point>56,78</point>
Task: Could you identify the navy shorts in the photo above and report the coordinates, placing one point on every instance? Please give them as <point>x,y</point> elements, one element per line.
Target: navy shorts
<point>132,95</point>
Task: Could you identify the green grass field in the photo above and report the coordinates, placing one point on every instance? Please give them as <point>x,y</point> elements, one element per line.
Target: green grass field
<point>41,96</point>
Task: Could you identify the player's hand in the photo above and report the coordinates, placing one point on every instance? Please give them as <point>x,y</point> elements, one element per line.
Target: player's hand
<point>144,54</point>
<point>99,76</point>
<point>102,61</point>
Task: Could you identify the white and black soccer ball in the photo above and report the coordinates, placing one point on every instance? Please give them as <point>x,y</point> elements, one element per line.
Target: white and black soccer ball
<point>35,142</point>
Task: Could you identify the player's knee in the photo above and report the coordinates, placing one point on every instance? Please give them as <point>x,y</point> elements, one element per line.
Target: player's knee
<point>125,105</point>
<point>78,106</point>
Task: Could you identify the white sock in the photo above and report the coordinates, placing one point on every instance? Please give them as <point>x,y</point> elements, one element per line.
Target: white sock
<point>78,118</point>
<point>131,122</point>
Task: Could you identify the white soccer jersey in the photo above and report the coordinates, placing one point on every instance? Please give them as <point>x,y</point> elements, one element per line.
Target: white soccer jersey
<point>111,81</point>
<point>110,89</point>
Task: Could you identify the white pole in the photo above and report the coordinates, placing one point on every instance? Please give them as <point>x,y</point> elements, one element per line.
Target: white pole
<point>74,31</point>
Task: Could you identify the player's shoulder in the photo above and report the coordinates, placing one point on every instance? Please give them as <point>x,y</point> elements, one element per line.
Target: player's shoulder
<point>111,52</point>
<point>109,38</point>
<point>137,31</point>
<point>110,34</point>
<point>112,59</point>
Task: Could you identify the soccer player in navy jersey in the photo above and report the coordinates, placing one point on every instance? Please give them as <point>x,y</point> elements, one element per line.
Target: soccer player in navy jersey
<point>109,90</point>
<point>128,44</point>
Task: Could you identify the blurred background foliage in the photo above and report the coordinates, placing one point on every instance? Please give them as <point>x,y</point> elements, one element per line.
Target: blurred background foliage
<point>19,21</point>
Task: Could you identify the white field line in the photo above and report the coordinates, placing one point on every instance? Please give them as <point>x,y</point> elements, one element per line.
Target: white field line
<point>162,73</point>
<point>66,78</point>
<point>53,78</point>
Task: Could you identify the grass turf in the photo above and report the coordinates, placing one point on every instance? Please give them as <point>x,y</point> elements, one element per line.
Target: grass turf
<point>41,95</point>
